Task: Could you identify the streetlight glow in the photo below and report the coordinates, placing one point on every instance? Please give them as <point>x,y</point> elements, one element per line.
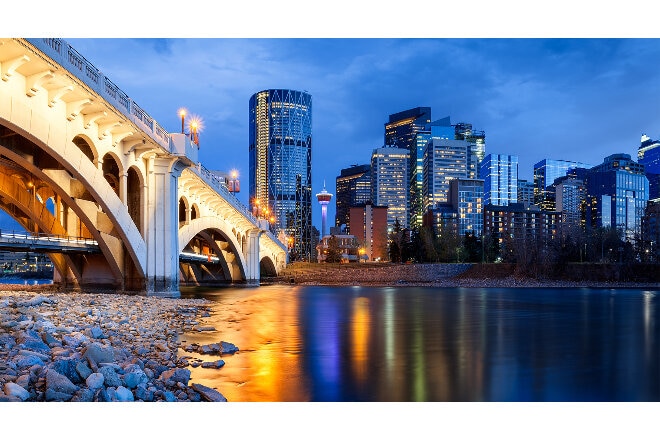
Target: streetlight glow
<point>182,113</point>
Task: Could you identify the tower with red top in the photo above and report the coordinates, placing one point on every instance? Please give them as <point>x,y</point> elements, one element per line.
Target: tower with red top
<point>324,198</point>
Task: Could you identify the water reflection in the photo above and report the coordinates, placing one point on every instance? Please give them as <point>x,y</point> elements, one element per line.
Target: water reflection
<point>422,344</point>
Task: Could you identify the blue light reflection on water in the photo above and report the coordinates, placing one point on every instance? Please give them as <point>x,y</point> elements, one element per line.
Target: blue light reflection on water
<point>431,344</point>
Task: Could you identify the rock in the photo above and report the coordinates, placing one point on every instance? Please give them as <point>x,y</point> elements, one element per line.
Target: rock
<point>34,302</point>
<point>74,339</point>
<point>176,375</point>
<point>143,393</point>
<point>13,389</point>
<point>36,345</point>
<point>50,340</point>
<point>27,361</point>
<point>111,377</point>
<point>56,396</point>
<point>83,395</point>
<point>133,379</point>
<point>217,364</point>
<point>205,328</point>
<point>208,394</point>
<point>67,367</point>
<point>228,348</point>
<point>95,381</point>
<point>101,396</point>
<point>124,395</point>
<point>83,370</point>
<point>23,380</point>
<point>96,333</point>
<point>169,396</point>
<point>7,341</point>
<point>41,356</point>
<point>59,383</point>
<point>98,354</point>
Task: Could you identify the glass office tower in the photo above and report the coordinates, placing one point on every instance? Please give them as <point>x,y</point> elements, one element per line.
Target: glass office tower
<point>389,175</point>
<point>402,131</point>
<point>500,175</point>
<point>617,193</point>
<point>280,155</point>
<point>545,173</point>
<point>648,155</point>
<point>353,188</point>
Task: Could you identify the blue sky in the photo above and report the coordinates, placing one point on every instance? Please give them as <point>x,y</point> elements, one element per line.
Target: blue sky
<point>559,98</point>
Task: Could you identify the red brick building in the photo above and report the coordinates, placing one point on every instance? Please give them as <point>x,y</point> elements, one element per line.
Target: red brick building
<point>368,223</point>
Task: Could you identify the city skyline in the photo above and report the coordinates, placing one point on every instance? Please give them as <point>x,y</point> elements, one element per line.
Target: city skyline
<point>572,99</point>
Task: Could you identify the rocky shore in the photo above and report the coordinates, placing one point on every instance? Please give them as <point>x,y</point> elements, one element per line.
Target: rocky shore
<point>88,347</point>
<point>431,275</point>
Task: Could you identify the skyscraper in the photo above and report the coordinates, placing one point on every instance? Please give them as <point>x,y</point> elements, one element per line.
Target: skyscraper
<point>476,150</point>
<point>545,173</point>
<point>353,187</point>
<point>648,155</point>
<point>617,193</point>
<point>500,175</point>
<point>525,192</point>
<point>280,155</point>
<point>402,131</point>
<point>444,159</point>
<point>389,175</point>
<point>467,197</point>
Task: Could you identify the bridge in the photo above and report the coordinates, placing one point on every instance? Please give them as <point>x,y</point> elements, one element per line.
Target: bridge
<point>79,158</point>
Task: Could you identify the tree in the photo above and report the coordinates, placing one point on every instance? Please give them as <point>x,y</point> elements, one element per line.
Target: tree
<point>333,252</point>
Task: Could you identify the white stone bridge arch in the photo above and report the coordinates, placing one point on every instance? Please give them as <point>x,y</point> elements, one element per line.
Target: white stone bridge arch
<point>114,175</point>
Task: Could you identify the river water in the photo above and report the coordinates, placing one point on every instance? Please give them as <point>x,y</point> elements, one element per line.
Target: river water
<point>405,344</point>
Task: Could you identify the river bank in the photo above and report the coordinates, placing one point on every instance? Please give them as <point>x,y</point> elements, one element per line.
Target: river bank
<point>439,275</point>
<point>100,347</point>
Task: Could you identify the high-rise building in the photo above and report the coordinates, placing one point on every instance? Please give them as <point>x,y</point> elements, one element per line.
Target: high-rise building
<point>368,224</point>
<point>280,155</point>
<point>353,188</point>
<point>648,155</point>
<point>389,178</point>
<point>545,173</point>
<point>570,199</point>
<point>525,192</point>
<point>476,150</point>
<point>467,198</point>
<point>444,160</point>
<point>617,194</point>
<point>402,131</point>
<point>500,175</point>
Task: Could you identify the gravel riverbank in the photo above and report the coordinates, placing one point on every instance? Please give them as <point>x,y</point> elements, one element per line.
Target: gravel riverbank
<point>86,347</point>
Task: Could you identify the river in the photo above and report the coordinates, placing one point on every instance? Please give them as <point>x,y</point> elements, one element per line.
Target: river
<point>406,344</point>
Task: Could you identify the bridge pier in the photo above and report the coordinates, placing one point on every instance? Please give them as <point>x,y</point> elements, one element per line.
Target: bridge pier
<point>252,271</point>
<point>162,278</point>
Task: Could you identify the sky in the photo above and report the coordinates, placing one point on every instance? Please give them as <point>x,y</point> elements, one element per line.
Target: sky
<point>538,98</point>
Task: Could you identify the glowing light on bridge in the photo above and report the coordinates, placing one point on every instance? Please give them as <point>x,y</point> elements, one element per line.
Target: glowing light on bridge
<point>182,113</point>
<point>196,126</point>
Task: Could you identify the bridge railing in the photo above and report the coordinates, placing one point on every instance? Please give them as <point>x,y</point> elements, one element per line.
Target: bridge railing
<point>69,58</point>
<point>8,236</point>
<point>220,186</point>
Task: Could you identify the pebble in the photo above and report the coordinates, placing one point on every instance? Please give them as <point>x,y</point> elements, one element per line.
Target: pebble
<point>92,347</point>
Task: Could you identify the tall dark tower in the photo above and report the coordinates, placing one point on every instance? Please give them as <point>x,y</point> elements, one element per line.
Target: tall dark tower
<point>280,154</point>
<point>400,131</point>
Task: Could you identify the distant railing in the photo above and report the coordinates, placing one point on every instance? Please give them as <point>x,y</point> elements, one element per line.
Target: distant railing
<point>60,51</point>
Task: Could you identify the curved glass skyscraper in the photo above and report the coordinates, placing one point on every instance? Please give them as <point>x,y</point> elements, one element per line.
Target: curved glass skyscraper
<point>281,165</point>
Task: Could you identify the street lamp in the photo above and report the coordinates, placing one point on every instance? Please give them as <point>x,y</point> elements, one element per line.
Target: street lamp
<point>182,113</point>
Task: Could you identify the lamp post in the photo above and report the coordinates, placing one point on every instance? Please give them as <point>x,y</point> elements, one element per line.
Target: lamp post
<point>182,113</point>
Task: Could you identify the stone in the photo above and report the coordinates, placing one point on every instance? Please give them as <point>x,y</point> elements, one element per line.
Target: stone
<point>50,340</point>
<point>176,375</point>
<point>98,354</point>
<point>96,333</point>
<point>83,370</point>
<point>208,394</point>
<point>228,347</point>
<point>101,396</point>
<point>34,301</point>
<point>143,393</point>
<point>57,396</point>
<point>133,379</point>
<point>169,396</point>
<point>36,345</point>
<point>124,395</point>
<point>7,341</point>
<point>95,381</point>
<point>67,367</point>
<point>74,339</point>
<point>205,328</point>
<point>13,389</point>
<point>23,380</point>
<point>27,361</point>
<point>59,383</point>
<point>83,395</point>
<point>111,377</point>
<point>217,364</point>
